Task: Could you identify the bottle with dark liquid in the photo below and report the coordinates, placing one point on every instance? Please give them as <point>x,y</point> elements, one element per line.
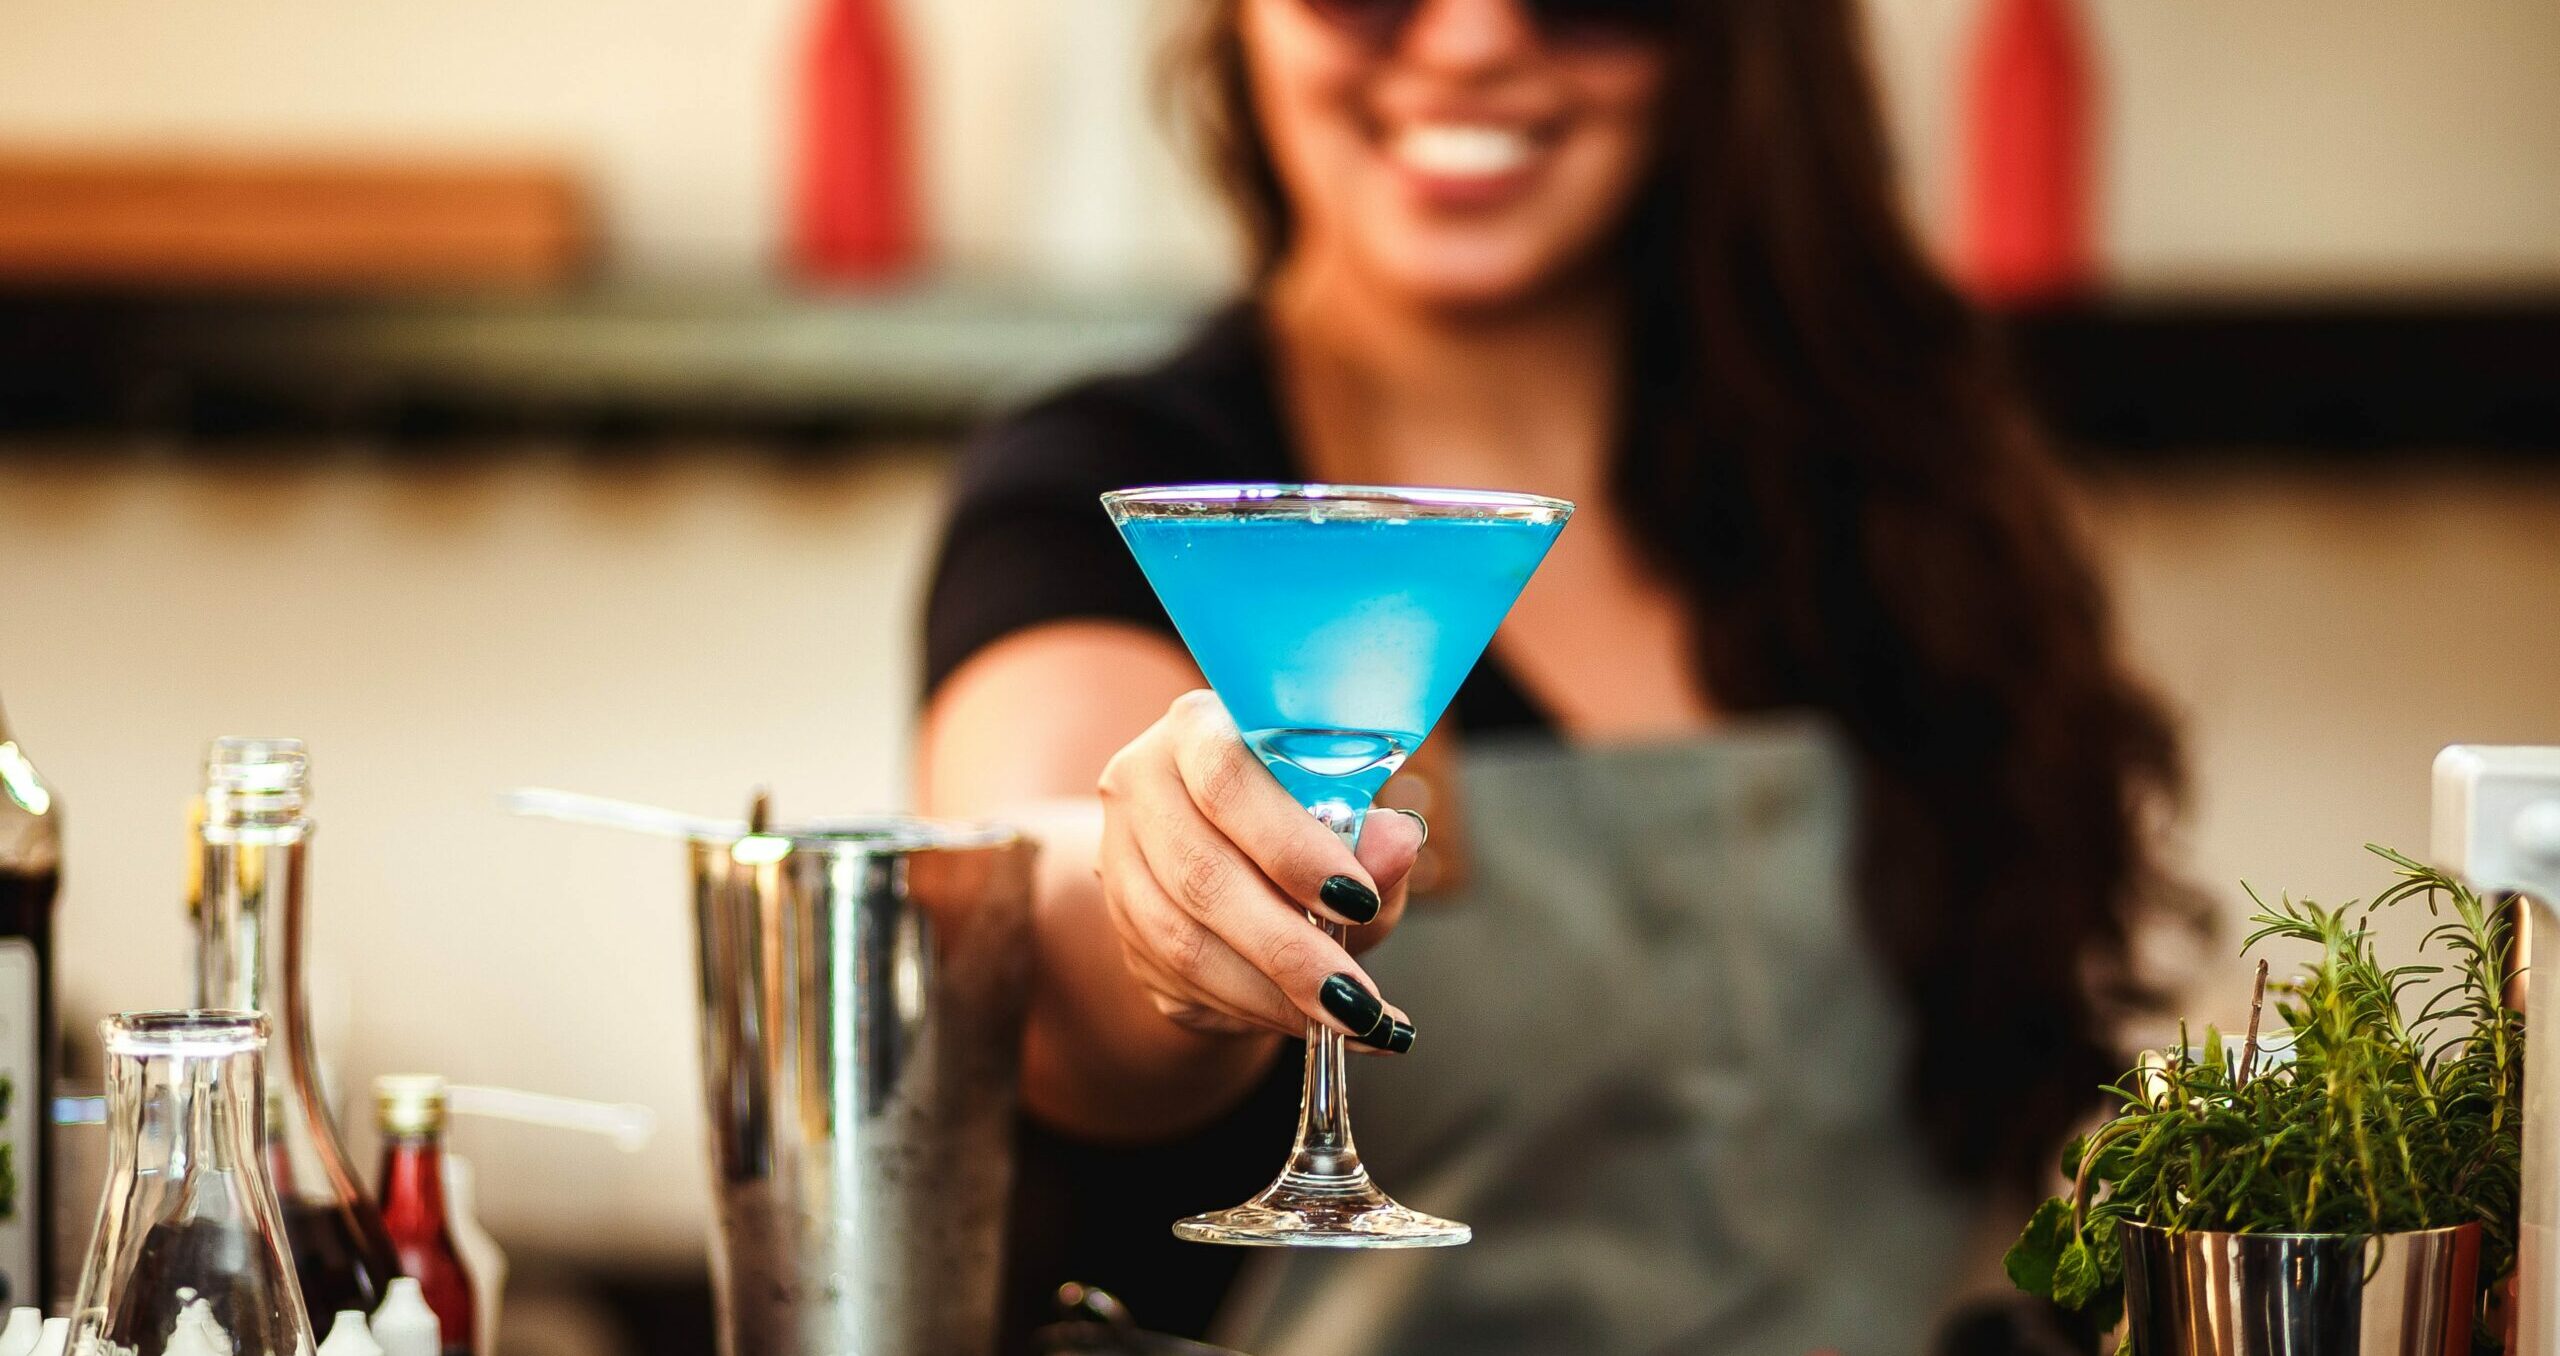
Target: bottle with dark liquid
<point>410,1112</point>
<point>30,872</point>
<point>252,917</point>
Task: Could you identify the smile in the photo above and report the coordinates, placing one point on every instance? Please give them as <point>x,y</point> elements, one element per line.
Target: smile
<point>1462,150</point>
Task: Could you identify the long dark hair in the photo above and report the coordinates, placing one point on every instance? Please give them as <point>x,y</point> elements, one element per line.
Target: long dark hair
<point>1826,452</point>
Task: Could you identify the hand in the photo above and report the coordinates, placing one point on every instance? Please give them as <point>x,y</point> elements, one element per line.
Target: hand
<point>1208,869</point>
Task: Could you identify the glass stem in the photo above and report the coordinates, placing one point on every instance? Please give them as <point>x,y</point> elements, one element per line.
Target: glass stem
<point>1324,1158</point>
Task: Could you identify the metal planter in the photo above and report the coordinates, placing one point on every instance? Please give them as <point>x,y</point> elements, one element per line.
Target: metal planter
<point>2213,1294</point>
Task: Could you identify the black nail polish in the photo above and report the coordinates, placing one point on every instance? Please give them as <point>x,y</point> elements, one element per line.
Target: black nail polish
<point>1349,898</point>
<point>1356,1008</point>
<point>1399,1037</point>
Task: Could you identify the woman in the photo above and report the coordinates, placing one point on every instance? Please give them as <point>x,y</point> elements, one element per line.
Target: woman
<point>1805,795</point>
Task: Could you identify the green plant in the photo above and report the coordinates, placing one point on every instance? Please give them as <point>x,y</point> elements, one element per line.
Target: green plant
<point>2368,1116</point>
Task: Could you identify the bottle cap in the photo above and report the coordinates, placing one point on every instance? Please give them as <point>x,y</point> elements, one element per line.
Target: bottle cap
<point>259,763</point>
<point>255,777</point>
<point>409,1104</point>
<point>404,1324</point>
<point>349,1337</point>
<point>19,1338</point>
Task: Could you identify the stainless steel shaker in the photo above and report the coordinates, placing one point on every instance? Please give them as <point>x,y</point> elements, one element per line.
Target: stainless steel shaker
<point>861,992</point>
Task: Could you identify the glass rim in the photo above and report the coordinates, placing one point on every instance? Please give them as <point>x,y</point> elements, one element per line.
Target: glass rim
<point>1284,498</point>
<point>186,1031</point>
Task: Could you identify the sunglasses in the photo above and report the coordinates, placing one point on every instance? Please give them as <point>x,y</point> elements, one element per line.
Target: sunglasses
<point>1382,22</point>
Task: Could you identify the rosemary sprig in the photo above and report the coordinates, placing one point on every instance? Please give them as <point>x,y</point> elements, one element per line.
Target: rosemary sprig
<point>2368,1117</point>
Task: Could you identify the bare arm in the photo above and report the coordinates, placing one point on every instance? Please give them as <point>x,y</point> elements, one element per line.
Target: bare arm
<point>1171,946</point>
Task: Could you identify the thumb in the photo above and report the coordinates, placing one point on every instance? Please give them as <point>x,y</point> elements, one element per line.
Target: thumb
<point>1390,842</point>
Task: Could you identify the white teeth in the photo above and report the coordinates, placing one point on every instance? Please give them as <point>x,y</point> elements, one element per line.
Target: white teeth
<point>1462,149</point>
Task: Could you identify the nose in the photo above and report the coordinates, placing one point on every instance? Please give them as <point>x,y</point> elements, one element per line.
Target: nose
<point>1469,35</point>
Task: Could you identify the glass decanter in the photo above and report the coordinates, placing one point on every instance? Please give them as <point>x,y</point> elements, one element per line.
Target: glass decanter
<point>252,915</point>
<point>189,1257</point>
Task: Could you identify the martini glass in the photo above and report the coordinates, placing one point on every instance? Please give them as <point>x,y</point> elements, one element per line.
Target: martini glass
<point>1335,622</point>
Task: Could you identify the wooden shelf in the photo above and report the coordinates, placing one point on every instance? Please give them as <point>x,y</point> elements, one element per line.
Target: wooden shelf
<point>2133,378</point>
<point>2336,376</point>
<point>924,358</point>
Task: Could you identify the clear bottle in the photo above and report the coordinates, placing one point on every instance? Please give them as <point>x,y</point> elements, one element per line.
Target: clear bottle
<point>410,1112</point>
<point>252,918</point>
<point>30,875</point>
<point>189,1254</point>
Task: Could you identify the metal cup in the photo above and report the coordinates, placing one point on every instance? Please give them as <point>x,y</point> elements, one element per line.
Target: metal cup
<point>861,1001</point>
<point>2209,1294</point>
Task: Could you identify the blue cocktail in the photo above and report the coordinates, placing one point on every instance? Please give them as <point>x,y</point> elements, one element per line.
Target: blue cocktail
<point>1335,623</point>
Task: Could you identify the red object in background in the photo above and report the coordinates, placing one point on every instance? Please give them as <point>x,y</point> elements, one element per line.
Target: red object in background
<point>853,216</point>
<point>413,1209</point>
<point>2026,216</point>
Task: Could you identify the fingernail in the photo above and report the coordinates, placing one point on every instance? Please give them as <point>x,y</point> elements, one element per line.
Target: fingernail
<point>1399,1037</point>
<point>1356,1008</point>
<point>1349,898</point>
<point>1418,822</point>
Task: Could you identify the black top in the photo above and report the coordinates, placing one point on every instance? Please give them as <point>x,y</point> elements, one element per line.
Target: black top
<point>1028,542</point>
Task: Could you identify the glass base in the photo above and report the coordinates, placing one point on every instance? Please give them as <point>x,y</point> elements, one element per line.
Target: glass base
<point>1313,1212</point>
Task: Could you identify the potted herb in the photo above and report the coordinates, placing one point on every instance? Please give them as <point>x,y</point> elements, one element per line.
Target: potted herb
<point>2356,1170</point>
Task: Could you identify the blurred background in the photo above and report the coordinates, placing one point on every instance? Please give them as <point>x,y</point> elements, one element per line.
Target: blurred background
<point>500,394</point>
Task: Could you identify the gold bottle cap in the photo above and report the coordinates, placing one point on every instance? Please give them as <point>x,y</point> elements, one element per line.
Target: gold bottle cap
<point>409,1104</point>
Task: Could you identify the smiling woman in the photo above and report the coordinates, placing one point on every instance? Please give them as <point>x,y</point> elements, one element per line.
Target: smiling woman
<point>1801,795</point>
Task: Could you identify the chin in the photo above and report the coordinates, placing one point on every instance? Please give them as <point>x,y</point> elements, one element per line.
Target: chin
<point>1462,276</point>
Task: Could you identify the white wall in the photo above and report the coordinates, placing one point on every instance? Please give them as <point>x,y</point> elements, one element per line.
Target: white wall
<point>670,106</point>
<point>2322,637</point>
<point>2301,142</point>
<point>2288,143</point>
<point>1037,116</point>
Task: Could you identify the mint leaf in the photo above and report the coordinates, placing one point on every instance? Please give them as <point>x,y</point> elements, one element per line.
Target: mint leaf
<point>2075,1276</point>
<point>2031,1259</point>
<point>2106,1243</point>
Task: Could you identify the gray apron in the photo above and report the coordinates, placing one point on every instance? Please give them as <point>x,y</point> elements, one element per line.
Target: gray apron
<point>1658,1071</point>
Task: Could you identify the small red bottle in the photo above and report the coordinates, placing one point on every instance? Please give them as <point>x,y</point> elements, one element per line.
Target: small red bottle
<point>2026,212</point>
<point>411,1112</point>
<point>853,206</point>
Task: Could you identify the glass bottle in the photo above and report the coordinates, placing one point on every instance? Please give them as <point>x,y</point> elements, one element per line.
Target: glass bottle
<point>410,1111</point>
<point>252,918</point>
<point>30,874</point>
<point>189,1257</point>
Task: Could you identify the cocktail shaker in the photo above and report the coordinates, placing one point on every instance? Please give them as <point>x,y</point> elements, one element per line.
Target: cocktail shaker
<point>861,992</point>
